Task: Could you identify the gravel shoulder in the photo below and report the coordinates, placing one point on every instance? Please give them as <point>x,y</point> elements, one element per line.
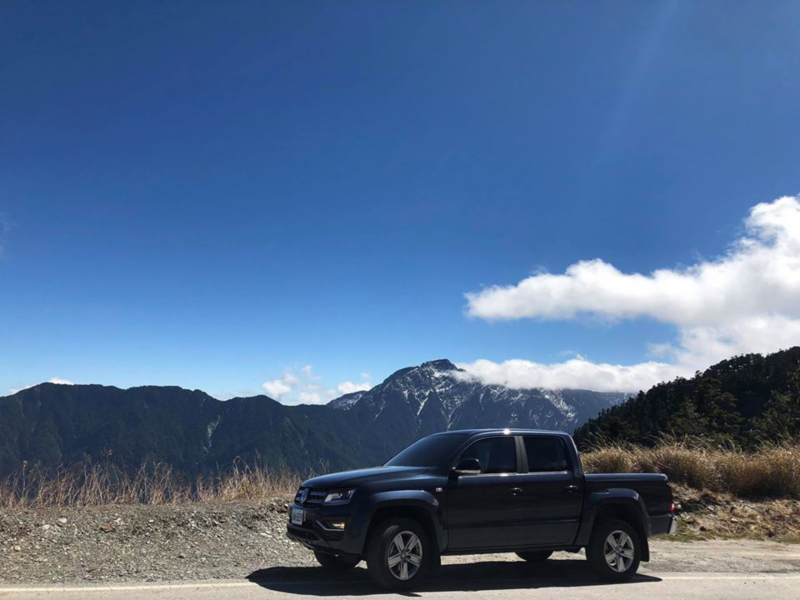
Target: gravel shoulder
<point>145,543</point>
<point>192,542</point>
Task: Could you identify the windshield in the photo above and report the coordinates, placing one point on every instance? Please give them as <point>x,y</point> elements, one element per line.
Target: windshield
<point>431,451</point>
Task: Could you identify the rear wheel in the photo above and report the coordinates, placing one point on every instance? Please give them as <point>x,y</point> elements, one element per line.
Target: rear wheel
<point>399,554</point>
<point>540,556</point>
<point>336,562</point>
<point>614,551</point>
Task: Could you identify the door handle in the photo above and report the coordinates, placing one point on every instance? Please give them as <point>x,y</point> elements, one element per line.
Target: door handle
<point>515,491</point>
<point>571,489</point>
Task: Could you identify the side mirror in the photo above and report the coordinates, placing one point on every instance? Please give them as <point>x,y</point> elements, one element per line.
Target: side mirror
<point>468,466</point>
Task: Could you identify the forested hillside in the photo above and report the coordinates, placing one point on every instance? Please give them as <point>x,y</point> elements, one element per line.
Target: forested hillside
<point>746,400</point>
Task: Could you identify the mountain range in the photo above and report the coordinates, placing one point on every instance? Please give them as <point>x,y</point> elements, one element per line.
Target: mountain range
<point>60,425</point>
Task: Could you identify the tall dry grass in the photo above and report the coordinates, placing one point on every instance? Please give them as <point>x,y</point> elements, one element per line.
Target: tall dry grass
<point>99,484</point>
<point>772,471</point>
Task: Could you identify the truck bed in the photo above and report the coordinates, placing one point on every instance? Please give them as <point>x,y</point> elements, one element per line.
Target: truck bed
<point>652,487</point>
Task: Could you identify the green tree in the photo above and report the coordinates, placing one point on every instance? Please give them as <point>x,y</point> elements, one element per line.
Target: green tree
<point>781,419</point>
<point>687,421</point>
<point>718,409</point>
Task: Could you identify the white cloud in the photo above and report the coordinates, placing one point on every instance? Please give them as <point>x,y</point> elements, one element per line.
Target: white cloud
<point>748,300</point>
<point>280,389</point>
<point>61,381</point>
<point>310,398</point>
<point>576,373</point>
<point>348,387</point>
<point>277,388</point>
<point>303,386</point>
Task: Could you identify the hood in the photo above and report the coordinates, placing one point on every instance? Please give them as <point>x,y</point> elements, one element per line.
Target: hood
<point>361,476</point>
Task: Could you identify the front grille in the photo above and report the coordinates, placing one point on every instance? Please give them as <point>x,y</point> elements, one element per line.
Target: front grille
<point>313,498</point>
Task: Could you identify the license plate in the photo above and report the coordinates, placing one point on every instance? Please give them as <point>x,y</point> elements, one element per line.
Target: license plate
<point>297,516</point>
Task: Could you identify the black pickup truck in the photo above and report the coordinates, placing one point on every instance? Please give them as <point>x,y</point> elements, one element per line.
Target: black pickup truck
<point>476,491</point>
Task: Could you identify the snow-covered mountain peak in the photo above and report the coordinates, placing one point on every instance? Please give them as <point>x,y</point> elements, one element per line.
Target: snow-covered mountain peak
<point>437,395</point>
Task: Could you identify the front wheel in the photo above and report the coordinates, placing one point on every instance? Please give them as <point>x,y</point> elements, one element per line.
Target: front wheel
<point>336,563</point>
<point>614,550</point>
<point>399,554</point>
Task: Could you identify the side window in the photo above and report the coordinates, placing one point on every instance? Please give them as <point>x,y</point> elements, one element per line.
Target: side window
<point>496,455</point>
<point>545,454</point>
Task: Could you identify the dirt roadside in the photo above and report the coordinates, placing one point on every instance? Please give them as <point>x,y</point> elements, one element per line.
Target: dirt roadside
<point>232,540</point>
<point>145,543</point>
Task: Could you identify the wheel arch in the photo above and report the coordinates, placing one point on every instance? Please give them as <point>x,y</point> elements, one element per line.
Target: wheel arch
<point>623,504</point>
<point>421,507</point>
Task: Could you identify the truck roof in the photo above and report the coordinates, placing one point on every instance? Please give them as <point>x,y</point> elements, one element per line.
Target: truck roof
<point>507,430</point>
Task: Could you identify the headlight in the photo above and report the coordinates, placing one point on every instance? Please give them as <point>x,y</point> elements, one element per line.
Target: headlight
<point>339,496</point>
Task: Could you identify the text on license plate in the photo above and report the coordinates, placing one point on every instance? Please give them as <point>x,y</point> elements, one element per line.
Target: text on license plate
<point>297,516</point>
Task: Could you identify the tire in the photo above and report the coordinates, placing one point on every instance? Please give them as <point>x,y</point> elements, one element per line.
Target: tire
<point>384,544</point>
<point>535,557</point>
<point>333,562</point>
<point>620,566</point>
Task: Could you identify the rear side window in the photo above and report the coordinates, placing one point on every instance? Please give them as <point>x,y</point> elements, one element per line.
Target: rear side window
<point>496,455</point>
<point>545,454</point>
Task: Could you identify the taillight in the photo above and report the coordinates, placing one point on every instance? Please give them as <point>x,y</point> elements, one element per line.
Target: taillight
<point>672,507</point>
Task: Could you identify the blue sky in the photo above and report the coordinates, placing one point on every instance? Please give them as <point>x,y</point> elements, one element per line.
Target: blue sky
<point>214,195</point>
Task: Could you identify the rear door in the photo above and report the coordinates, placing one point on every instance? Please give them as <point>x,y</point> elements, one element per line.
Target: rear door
<point>551,493</point>
<point>480,507</point>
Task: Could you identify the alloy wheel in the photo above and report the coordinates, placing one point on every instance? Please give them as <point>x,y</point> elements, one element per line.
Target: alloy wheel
<point>405,555</point>
<point>618,550</point>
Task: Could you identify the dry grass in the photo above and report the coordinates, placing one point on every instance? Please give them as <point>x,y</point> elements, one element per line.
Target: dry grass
<point>772,471</point>
<point>94,484</point>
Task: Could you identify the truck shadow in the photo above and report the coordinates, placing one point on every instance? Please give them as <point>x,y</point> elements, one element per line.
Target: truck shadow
<point>477,576</point>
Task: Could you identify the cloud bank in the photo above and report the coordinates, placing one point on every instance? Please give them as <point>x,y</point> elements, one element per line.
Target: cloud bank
<point>747,300</point>
<point>576,373</point>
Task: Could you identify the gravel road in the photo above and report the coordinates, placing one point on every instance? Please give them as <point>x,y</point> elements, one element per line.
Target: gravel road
<point>703,571</point>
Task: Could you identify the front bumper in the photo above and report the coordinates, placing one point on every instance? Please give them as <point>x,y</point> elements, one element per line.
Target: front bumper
<point>314,534</point>
<point>664,525</point>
